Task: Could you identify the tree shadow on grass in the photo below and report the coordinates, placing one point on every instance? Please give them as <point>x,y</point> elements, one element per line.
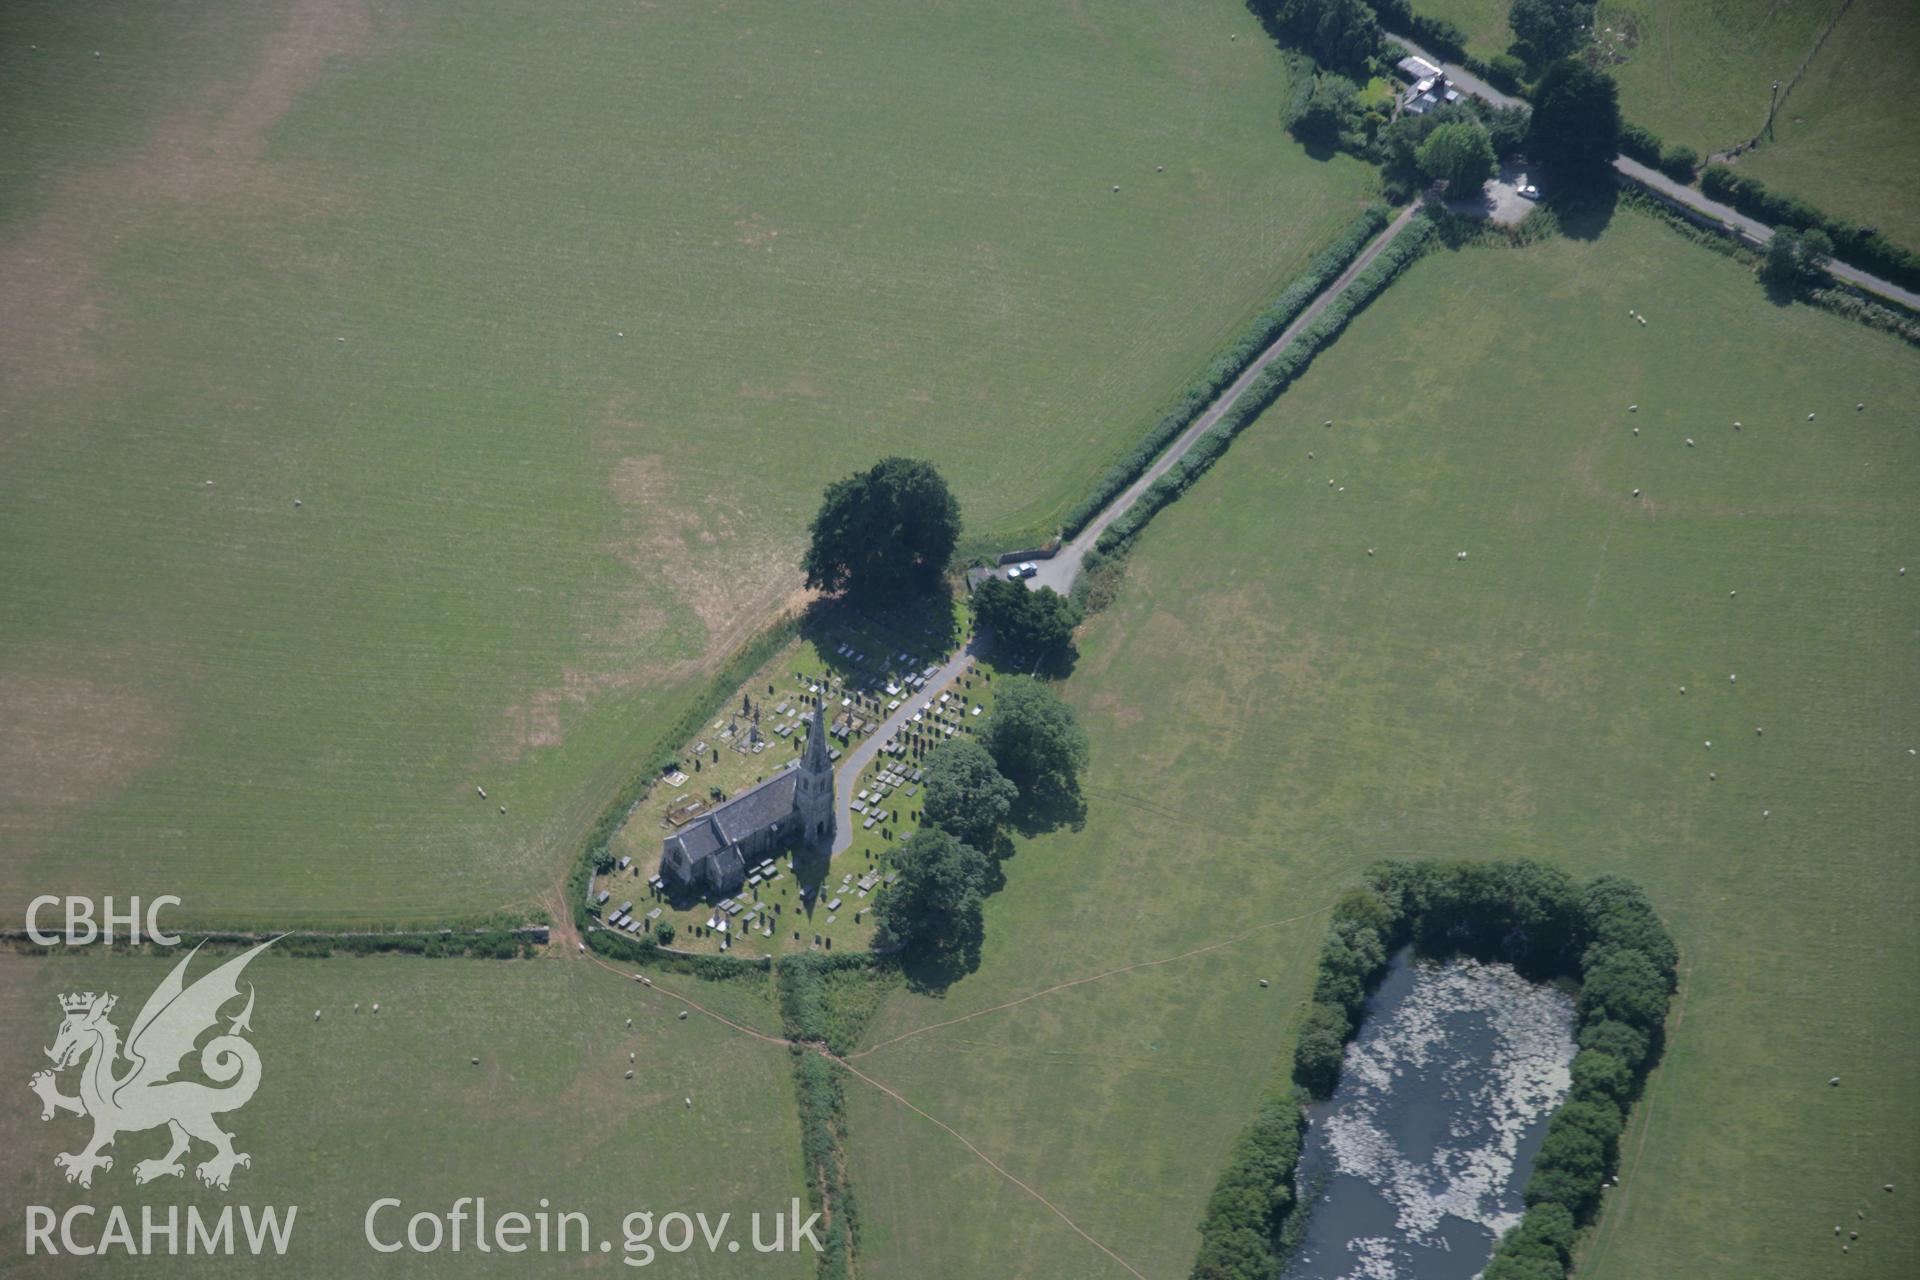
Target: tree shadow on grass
<point>878,632</point>
<point>1049,809</point>
<point>1585,211</point>
<point>930,973</point>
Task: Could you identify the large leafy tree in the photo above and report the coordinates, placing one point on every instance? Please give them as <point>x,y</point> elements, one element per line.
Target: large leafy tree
<point>1576,124</point>
<point>1330,108</point>
<point>1034,737</point>
<point>1553,28</point>
<point>934,909</point>
<point>966,795</point>
<point>1459,153</point>
<point>1029,627</point>
<point>887,531</point>
<point>1338,33</point>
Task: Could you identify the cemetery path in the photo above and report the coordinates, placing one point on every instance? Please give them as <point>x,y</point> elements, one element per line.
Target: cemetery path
<point>846,775</point>
<point>1064,567</point>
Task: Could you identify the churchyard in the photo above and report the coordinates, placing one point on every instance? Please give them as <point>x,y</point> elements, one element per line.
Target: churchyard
<point>1272,707</point>
<point>867,665</point>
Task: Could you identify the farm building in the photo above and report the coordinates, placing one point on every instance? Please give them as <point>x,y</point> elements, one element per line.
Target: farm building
<point>711,854</point>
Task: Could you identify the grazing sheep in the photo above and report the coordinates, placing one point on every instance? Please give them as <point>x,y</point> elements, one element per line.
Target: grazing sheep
<point>683,1015</point>
<point>629,1074</point>
<point>1858,407</point>
<point>316,1015</point>
<point>689,1102</point>
<point>629,1022</point>
<point>1263,982</point>
<point>1834,1083</point>
<point>1636,431</point>
<point>1709,744</point>
<point>1636,493</point>
<point>1633,408</point>
<point>1713,777</point>
<point>1809,417</point>
<point>376,1006</point>
<point>1461,556</point>
<point>1689,442</point>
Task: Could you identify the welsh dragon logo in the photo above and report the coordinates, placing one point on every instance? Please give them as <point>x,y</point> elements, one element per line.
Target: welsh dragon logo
<point>144,1094</point>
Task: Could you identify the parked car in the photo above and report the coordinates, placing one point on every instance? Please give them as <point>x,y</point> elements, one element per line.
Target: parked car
<point>1529,192</point>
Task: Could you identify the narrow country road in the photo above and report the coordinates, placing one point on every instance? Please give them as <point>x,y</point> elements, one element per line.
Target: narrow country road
<point>1752,229</point>
<point>1659,184</point>
<point>847,773</point>
<point>1060,571</point>
<point>1064,567</point>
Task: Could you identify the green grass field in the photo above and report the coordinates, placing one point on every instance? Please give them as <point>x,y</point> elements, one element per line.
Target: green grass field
<point>1701,74</point>
<point>1484,21</point>
<point>362,1106</point>
<point>1272,709</point>
<point>1840,140</point>
<point>555,324</point>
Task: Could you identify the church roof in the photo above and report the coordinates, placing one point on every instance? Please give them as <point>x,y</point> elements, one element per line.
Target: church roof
<point>755,810</point>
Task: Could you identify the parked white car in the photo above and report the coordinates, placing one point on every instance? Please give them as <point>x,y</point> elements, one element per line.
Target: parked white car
<point>1529,192</point>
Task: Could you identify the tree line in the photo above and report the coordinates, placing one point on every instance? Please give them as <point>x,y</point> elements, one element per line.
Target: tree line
<point>1603,933</point>
<point>1027,763</point>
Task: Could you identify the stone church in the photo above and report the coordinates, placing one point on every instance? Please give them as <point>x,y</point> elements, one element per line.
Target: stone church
<point>711,854</point>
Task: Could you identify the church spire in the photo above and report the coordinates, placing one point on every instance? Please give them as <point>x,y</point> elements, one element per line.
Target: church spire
<point>817,759</point>
<point>813,793</point>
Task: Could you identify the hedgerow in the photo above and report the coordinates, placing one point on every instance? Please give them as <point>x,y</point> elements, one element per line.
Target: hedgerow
<point>1243,1231</point>
<point>1274,379</point>
<point>827,998</point>
<point>1863,247</point>
<point>823,1126</point>
<point>1230,364</point>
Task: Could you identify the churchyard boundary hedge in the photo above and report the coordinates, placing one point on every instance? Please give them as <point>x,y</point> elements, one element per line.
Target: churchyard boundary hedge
<point>1603,934</point>
<point>718,690</point>
<point>1274,379</point>
<point>1207,387</point>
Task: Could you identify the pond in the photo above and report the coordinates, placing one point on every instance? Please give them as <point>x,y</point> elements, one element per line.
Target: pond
<point>1415,1166</point>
